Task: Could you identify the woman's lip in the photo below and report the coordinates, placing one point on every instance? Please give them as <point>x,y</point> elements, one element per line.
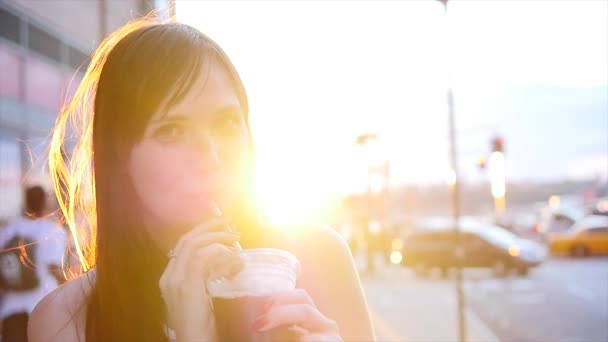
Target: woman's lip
<point>207,189</point>
<point>200,194</point>
<point>210,192</point>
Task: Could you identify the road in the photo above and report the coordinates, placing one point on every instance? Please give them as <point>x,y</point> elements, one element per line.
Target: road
<point>562,300</point>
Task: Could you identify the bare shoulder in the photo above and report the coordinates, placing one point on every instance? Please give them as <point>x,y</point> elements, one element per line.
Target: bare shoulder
<point>61,315</point>
<point>321,251</point>
<point>309,241</point>
<point>330,277</point>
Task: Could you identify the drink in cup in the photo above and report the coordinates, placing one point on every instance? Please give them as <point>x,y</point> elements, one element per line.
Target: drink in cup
<point>239,300</point>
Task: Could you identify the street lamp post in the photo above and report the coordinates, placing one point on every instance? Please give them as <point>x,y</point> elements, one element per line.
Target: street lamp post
<point>364,141</point>
<point>455,203</point>
<point>103,20</point>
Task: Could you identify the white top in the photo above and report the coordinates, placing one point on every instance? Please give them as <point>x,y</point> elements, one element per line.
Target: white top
<point>590,222</point>
<point>50,242</point>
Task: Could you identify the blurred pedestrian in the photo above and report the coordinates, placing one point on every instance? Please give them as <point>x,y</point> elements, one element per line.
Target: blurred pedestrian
<point>31,252</point>
<point>163,118</point>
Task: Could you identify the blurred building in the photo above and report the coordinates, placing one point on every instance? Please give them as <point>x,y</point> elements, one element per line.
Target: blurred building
<point>44,48</point>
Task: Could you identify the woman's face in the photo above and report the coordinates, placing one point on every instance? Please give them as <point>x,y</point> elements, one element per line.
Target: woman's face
<point>190,155</point>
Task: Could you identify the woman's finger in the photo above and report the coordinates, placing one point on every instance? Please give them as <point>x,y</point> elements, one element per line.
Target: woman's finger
<point>164,279</point>
<point>215,224</point>
<point>297,296</point>
<point>218,259</point>
<point>304,315</point>
<point>201,240</point>
<point>184,258</point>
<point>178,271</point>
<point>224,263</point>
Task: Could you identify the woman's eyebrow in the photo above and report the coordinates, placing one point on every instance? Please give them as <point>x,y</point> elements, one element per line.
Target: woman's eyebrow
<point>228,109</point>
<point>225,110</point>
<point>173,118</point>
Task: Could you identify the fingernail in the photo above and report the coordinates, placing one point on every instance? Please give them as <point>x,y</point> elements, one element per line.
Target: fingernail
<point>260,324</point>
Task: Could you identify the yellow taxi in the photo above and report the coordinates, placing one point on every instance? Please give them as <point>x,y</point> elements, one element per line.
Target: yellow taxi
<point>588,236</point>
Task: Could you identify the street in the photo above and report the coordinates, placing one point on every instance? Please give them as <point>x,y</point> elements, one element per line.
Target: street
<point>562,300</point>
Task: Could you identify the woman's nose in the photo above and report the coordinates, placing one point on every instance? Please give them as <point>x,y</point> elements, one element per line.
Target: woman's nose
<point>214,152</point>
<point>210,148</point>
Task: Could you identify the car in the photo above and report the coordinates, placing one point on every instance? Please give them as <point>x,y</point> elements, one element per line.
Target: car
<point>434,244</point>
<point>521,223</point>
<point>588,236</point>
<point>552,220</point>
<point>599,207</point>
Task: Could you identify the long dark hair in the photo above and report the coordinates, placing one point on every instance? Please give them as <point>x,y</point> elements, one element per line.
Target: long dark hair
<point>138,67</point>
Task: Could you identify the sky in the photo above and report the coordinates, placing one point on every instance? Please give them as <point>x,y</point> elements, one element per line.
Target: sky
<point>318,73</point>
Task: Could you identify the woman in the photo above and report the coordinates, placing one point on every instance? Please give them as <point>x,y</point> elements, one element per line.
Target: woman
<point>161,119</point>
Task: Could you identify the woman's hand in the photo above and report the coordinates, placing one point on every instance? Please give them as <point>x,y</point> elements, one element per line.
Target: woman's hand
<point>295,309</point>
<point>201,253</point>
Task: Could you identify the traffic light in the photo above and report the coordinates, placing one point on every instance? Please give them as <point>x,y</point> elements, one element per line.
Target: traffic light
<point>498,145</point>
<point>481,162</point>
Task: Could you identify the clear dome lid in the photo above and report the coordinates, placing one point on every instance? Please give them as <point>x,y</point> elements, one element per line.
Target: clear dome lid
<point>265,271</point>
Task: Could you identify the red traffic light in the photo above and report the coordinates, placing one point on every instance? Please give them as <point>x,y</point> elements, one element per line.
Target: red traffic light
<point>498,144</point>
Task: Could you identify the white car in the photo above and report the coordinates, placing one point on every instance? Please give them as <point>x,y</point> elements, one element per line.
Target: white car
<point>555,220</point>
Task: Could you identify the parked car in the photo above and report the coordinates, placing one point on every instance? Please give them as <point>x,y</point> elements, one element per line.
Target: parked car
<point>599,207</point>
<point>555,220</point>
<point>521,223</point>
<point>587,237</point>
<point>433,244</point>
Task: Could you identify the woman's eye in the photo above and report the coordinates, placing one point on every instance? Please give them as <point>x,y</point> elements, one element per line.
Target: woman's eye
<point>170,132</point>
<point>228,126</point>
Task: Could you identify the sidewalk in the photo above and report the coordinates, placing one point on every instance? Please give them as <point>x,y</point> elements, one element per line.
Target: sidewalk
<point>405,308</point>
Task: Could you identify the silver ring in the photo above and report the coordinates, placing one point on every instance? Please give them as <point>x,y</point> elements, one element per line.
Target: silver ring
<point>171,254</point>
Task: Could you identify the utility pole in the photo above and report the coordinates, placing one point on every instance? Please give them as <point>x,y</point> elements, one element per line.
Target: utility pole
<point>363,141</point>
<point>459,253</point>
<point>103,20</point>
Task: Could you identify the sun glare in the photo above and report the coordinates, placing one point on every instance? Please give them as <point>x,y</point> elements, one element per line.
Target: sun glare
<point>298,191</point>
